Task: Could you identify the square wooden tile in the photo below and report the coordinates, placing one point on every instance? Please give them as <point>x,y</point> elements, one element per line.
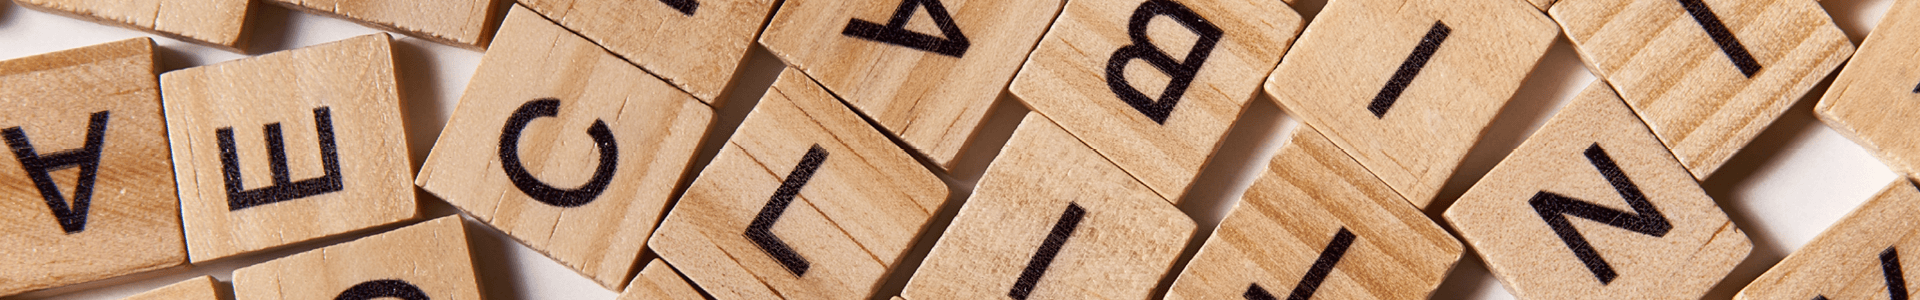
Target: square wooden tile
<point>463,23</point>
<point>203,287</point>
<point>1860,257</point>
<point>1051,219</point>
<point>566,148</point>
<point>694,44</point>
<point>1408,86</point>
<point>1593,207</point>
<point>217,23</point>
<point>288,147</point>
<point>1873,99</point>
<point>658,281</point>
<point>428,260</point>
<point>89,191</point>
<point>929,85</point>
<point>1317,225</point>
<point>1706,75</point>
<point>1155,84</point>
<point>805,201</point>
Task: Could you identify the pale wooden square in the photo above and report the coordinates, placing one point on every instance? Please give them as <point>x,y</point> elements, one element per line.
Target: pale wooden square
<point>463,23</point>
<point>217,23</point>
<point>1125,243</point>
<point>1845,261</point>
<point>1542,5</point>
<point>654,127</point>
<point>1063,80</point>
<point>202,287</point>
<point>932,101</point>
<point>1355,50</point>
<point>132,222</point>
<point>1699,247</point>
<point>699,52</point>
<point>430,257</point>
<point>863,204</point>
<point>354,80</point>
<point>1688,90</point>
<point>1872,101</point>
<point>1286,220</point>
<point>658,281</point>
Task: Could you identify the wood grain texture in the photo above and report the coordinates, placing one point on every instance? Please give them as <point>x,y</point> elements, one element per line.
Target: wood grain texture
<point>217,23</point>
<point>1119,247</point>
<point>1283,227</point>
<point>203,287</point>
<point>1409,86</point>
<point>1067,79</point>
<point>698,52</point>
<point>130,219</point>
<point>855,203</point>
<point>1847,261</point>
<point>1694,94</point>
<point>932,101</point>
<point>1681,255</point>
<point>428,259</point>
<point>658,281</point>
<point>1873,98</point>
<point>653,129</point>
<point>353,81</point>
<point>1542,5</point>
<point>462,23</point>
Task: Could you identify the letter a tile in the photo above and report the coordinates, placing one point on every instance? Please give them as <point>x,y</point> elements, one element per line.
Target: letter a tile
<point>1154,85</point>
<point>805,201</point>
<point>1593,207</point>
<point>1861,257</point>
<point>931,88</point>
<point>89,190</point>
<point>1706,75</point>
<point>1051,219</point>
<point>695,44</point>
<point>1407,87</point>
<point>658,281</point>
<point>217,23</point>
<point>428,260</point>
<point>202,288</point>
<point>1316,225</point>
<point>464,23</point>
<point>566,147</point>
<point>288,147</point>
<point>1873,101</point>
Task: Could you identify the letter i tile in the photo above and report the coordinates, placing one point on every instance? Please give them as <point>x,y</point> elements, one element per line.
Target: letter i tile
<point>1861,257</point>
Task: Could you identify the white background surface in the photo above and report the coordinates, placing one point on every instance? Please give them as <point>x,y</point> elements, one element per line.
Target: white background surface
<point>1786,187</point>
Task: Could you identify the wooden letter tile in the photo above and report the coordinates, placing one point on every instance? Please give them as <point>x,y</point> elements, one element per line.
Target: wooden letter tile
<point>1316,224</point>
<point>1593,207</point>
<point>695,44</point>
<point>217,23</point>
<point>288,147</point>
<point>1154,85</point>
<point>1408,86</point>
<point>1873,99</point>
<point>88,191</point>
<point>931,86</point>
<point>658,281</point>
<point>566,147</point>
<point>805,201</point>
<point>423,261</point>
<point>464,23</point>
<point>1051,219</point>
<point>202,287</point>
<point>1706,75</point>
<point>1864,256</point>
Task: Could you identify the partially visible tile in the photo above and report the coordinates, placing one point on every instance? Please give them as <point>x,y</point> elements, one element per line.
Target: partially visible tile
<point>659,281</point>
<point>463,23</point>
<point>202,287</point>
<point>217,23</point>
<point>1875,97</point>
<point>1860,257</point>
<point>697,45</point>
<point>428,260</point>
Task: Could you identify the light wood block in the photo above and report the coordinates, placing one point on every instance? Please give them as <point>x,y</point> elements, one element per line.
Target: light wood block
<point>1872,100</point>
<point>805,201</point>
<point>217,23</point>
<point>463,23</point>
<point>1864,256</point>
<point>1103,73</point>
<point>658,281</point>
<point>1051,219</point>
<point>428,260</point>
<point>597,147</point>
<point>288,147</point>
<point>1317,225</point>
<point>202,287</point>
<point>695,44</point>
<point>89,191</point>
<point>929,85</point>
<point>1542,5</point>
<point>1706,75</point>
<point>1593,207</point>
<point>1409,86</point>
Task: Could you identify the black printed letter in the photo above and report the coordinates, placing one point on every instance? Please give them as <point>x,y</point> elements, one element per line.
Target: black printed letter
<point>1408,69</point>
<point>1555,208</point>
<point>384,288</point>
<point>684,6</point>
<point>540,191</point>
<point>283,188</point>
<point>895,32</point>
<point>761,230</point>
<point>1062,230</point>
<point>1718,31</point>
<point>1321,268</point>
<point>1143,49</point>
<point>87,158</point>
<point>1890,266</point>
